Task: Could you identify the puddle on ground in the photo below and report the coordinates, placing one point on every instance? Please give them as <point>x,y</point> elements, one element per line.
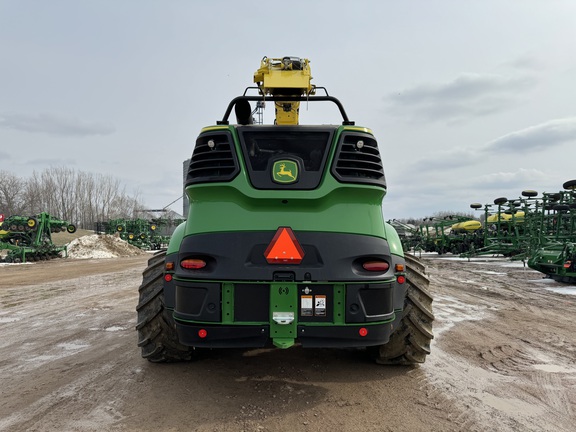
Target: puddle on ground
<point>114,328</point>
<point>510,406</point>
<point>492,273</point>
<point>554,368</point>
<point>571,290</point>
<point>558,287</point>
<point>449,311</point>
<point>70,346</point>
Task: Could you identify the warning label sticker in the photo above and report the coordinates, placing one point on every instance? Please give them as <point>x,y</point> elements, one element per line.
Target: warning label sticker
<point>306,305</point>
<point>320,305</point>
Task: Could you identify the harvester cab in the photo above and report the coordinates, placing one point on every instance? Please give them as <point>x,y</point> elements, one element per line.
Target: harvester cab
<point>285,242</point>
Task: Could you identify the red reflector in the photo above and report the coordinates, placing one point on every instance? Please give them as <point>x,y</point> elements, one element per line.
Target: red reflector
<point>401,279</point>
<point>363,331</point>
<point>379,266</point>
<point>167,277</point>
<point>567,264</point>
<point>202,333</point>
<point>284,248</point>
<point>193,263</point>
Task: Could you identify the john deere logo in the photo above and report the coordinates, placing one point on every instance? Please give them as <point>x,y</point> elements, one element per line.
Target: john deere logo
<point>285,171</point>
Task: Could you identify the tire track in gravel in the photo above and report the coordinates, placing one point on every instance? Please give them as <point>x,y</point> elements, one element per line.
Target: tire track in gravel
<point>490,343</point>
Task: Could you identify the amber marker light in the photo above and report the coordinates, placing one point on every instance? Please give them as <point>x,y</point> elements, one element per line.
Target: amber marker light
<point>169,266</point>
<point>193,263</point>
<point>399,267</point>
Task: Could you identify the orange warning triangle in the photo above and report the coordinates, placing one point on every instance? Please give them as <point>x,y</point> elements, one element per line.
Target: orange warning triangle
<point>284,248</point>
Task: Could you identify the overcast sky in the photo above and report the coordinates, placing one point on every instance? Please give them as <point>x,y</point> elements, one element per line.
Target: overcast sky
<point>469,100</point>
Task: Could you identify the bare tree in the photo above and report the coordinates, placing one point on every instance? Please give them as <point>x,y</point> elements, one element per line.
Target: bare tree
<point>75,196</point>
<point>11,194</point>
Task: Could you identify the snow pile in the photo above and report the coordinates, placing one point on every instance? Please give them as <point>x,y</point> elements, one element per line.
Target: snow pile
<point>101,246</point>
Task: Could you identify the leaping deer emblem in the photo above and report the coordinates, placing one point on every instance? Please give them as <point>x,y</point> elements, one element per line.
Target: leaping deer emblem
<point>285,172</point>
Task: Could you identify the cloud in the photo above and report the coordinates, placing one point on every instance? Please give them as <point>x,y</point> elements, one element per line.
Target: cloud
<point>517,179</point>
<point>467,96</point>
<point>539,137</point>
<point>526,62</point>
<point>53,125</point>
<point>46,162</point>
<point>443,160</point>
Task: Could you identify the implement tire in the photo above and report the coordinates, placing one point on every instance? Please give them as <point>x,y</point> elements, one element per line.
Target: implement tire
<point>157,336</point>
<point>410,342</point>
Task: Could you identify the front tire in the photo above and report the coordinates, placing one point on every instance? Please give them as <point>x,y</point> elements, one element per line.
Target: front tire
<point>410,342</point>
<point>157,335</point>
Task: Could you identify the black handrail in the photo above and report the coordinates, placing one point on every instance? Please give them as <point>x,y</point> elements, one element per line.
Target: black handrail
<point>233,102</point>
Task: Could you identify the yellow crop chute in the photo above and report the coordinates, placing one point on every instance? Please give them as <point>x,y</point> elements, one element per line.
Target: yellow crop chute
<point>287,76</point>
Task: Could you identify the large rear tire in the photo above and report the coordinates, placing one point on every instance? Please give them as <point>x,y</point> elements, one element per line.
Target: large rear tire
<point>157,335</point>
<point>410,342</point>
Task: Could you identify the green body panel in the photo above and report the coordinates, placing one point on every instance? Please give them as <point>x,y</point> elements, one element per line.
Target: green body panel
<point>227,303</point>
<point>176,239</point>
<point>394,240</point>
<point>221,207</point>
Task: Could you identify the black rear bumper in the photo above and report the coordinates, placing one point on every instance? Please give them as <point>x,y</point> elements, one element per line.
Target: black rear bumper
<point>258,336</point>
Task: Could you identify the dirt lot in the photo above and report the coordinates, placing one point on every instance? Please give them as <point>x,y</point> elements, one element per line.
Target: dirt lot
<point>503,359</point>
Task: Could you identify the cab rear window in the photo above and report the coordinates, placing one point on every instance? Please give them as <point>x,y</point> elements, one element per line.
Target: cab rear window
<point>307,148</point>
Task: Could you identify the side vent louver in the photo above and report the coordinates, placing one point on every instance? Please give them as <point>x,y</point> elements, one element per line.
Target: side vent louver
<point>358,160</point>
<point>214,159</point>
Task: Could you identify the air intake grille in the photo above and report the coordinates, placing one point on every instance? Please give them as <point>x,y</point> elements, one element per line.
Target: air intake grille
<point>214,159</point>
<point>358,160</point>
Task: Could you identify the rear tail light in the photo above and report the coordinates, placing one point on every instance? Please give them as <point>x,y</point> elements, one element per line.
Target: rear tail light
<point>193,263</point>
<point>376,266</point>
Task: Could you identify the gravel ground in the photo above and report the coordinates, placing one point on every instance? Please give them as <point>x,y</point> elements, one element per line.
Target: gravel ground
<point>503,359</point>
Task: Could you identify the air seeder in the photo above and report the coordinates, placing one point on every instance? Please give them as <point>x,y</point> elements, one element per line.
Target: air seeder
<point>29,238</point>
<point>285,241</point>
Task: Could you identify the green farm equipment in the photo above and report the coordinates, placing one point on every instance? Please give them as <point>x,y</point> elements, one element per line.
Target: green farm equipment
<point>539,230</point>
<point>142,233</point>
<point>553,249</point>
<point>285,242</point>
<point>29,238</point>
<point>448,234</point>
<point>504,229</point>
